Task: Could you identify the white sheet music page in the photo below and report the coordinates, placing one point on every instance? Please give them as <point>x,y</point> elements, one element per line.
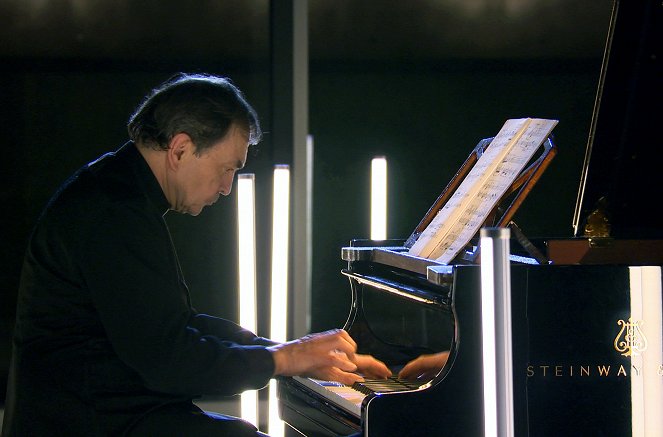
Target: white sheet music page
<point>492,175</point>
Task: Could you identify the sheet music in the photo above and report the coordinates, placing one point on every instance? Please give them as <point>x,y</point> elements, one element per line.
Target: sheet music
<point>492,175</point>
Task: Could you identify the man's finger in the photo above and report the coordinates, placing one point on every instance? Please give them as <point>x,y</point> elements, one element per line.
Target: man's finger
<point>340,359</point>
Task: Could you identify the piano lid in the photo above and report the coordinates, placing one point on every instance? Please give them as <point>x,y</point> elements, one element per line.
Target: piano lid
<point>622,169</point>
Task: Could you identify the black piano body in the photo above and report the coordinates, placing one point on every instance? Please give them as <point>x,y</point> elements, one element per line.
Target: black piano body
<point>570,374</point>
<point>587,329</point>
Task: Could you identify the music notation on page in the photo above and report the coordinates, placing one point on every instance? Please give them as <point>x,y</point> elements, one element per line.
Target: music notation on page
<point>494,172</point>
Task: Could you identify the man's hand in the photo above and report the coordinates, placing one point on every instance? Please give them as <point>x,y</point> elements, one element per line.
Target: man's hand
<point>329,355</point>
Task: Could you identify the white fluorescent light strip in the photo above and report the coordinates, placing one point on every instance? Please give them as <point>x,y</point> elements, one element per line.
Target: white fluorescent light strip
<point>646,381</point>
<point>488,338</point>
<point>247,276</point>
<point>280,237</point>
<point>496,332</point>
<point>279,294</point>
<point>379,198</point>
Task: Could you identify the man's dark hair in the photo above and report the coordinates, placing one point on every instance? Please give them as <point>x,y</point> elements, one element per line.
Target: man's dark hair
<point>202,106</point>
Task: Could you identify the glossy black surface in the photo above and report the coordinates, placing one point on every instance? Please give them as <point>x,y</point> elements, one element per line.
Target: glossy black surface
<point>625,138</point>
<point>568,377</point>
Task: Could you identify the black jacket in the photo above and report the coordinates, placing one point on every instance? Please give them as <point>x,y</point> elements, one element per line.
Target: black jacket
<point>105,331</point>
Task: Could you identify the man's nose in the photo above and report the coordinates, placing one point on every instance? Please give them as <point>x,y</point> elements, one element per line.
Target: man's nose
<point>227,184</point>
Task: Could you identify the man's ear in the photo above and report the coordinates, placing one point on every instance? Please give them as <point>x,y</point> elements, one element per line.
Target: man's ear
<point>178,148</point>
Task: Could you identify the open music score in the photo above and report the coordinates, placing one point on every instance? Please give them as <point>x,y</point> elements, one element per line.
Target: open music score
<point>489,179</point>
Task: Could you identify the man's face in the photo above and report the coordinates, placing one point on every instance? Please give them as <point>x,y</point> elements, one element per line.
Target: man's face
<point>201,179</point>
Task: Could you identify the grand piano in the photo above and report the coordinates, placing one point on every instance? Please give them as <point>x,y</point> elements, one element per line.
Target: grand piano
<point>586,312</point>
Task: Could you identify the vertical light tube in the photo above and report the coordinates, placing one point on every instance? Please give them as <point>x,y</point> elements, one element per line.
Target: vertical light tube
<point>496,332</point>
<point>246,252</point>
<point>302,234</point>
<point>280,240</point>
<point>379,198</point>
<point>646,350</point>
<point>279,292</point>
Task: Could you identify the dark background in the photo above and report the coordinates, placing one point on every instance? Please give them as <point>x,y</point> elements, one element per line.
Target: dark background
<point>420,82</point>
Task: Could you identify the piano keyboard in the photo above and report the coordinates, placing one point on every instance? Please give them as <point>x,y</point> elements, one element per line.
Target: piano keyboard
<point>350,397</point>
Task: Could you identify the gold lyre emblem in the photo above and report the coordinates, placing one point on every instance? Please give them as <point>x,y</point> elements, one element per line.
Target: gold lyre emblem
<point>630,340</point>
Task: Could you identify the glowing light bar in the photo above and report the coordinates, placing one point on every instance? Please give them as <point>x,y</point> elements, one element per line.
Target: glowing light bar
<point>496,332</point>
<point>646,340</point>
<point>247,275</point>
<point>379,198</point>
<point>280,237</point>
<point>279,290</point>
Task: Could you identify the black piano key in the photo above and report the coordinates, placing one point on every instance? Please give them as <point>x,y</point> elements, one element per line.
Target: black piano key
<point>393,383</point>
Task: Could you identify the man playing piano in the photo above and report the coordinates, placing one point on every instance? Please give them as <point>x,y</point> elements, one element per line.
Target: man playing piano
<point>106,340</point>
